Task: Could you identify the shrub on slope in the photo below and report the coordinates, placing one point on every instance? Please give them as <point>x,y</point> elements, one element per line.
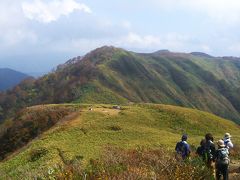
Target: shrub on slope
<point>29,124</point>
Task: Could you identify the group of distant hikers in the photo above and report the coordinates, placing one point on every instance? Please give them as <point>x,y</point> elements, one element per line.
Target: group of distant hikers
<point>209,154</point>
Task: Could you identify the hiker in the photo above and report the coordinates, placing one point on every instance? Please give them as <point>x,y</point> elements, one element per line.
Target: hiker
<point>222,161</point>
<point>209,152</point>
<point>200,149</point>
<point>182,148</point>
<point>227,141</point>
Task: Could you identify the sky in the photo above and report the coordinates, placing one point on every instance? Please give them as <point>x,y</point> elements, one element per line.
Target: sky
<point>36,35</point>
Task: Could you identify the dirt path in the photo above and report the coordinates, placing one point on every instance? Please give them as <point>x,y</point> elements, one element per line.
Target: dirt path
<point>234,170</point>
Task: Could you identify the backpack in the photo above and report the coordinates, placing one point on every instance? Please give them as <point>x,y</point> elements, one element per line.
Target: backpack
<point>222,156</point>
<point>182,149</point>
<point>208,155</point>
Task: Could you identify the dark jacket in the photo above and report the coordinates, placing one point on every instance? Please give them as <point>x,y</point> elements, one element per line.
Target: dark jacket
<point>209,151</point>
<point>183,148</point>
<point>200,151</point>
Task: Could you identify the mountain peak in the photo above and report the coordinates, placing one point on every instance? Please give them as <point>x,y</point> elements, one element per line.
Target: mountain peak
<point>104,49</point>
<point>102,53</point>
<point>162,51</point>
<point>201,54</point>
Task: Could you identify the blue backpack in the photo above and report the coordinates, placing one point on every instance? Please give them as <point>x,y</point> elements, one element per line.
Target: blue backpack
<point>222,156</point>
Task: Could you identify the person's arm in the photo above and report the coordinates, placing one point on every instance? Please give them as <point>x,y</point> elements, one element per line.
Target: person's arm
<point>213,149</point>
<point>188,149</point>
<point>176,148</point>
<point>230,144</point>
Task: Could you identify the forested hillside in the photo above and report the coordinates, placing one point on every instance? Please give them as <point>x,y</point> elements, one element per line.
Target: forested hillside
<point>113,75</point>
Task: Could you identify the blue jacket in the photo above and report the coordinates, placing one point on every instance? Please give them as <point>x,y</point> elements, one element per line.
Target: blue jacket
<point>183,148</point>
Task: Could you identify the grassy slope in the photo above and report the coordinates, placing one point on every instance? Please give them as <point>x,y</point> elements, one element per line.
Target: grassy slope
<point>141,125</point>
<point>96,93</point>
<point>112,75</point>
<point>177,79</point>
<point>229,70</point>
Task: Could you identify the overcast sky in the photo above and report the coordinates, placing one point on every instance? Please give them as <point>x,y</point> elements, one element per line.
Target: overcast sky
<point>36,35</point>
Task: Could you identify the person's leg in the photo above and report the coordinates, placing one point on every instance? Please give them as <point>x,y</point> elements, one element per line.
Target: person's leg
<point>211,166</point>
<point>213,169</point>
<point>225,172</point>
<point>218,172</point>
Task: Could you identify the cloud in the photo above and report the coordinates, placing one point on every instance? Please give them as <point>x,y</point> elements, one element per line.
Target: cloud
<point>131,41</point>
<point>47,12</point>
<point>13,28</point>
<point>235,47</point>
<point>220,11</point>
<point>149,42</point>
<point>205,48</point>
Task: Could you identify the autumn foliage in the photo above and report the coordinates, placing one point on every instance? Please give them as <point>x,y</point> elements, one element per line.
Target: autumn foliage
<point>28,124</point>
<point>136,163</point>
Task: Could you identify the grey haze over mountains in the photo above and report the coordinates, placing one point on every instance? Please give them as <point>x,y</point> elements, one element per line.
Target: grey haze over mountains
<point>35,65</point>
<point>9,78</point>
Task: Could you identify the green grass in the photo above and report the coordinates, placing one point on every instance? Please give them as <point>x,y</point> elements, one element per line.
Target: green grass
<point>137,125</point>
<point>95,93</point>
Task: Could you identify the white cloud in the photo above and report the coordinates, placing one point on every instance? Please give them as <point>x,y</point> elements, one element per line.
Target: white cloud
<point>235,47</point>
<point>132,41</point>
<point>220,10</point>
<point>227,11</point>
<point>205,48</point>
<point>47,12</point>
<point>14,37</point>
<point>12,25</point>
<point>133,38</point>
<point>126,24</point>
<point>148,43</point>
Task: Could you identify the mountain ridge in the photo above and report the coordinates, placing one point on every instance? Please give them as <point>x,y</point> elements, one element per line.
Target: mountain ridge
<point>209,84</point>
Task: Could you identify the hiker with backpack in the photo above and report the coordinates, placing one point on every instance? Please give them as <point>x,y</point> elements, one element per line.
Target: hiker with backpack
<point>182,148</point>
<point>209,153</point>
<point>222,161</point>
<point>227,141</point>
<point>200,149</point>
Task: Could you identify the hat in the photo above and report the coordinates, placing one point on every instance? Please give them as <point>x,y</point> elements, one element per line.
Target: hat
<point>221,143</point>
<point>227,135</point>
<point>184,137</point>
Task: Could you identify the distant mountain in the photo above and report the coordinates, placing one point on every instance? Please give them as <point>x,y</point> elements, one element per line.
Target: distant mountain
<point>9,78</point>
<point>114,75</point>
<point>201,54</point>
